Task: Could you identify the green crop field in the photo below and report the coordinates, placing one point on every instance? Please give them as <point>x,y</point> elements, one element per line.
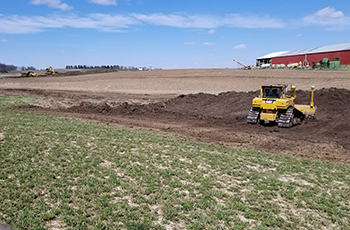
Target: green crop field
<point>57,173</point>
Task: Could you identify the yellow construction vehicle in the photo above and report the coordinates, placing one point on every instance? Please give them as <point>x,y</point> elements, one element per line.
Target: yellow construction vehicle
<point>50,71</point>
<point>29,74</point>
<point>273,105</point>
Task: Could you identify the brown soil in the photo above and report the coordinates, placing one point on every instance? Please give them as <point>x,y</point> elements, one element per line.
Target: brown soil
<point>209,117</point>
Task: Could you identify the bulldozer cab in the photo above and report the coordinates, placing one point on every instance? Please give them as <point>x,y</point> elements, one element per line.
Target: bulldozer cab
<point>273,91</point>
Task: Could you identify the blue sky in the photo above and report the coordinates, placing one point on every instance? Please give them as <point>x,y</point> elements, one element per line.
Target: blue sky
<point>167,34</point>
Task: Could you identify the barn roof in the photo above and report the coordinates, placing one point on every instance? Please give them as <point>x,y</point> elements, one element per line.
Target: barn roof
<point>323,49</point>
<point>271,55</point>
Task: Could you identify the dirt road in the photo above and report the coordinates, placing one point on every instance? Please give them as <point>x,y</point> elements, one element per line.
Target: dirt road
<point>207,105</point>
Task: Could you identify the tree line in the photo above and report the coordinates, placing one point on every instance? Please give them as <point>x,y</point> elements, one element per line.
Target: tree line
<point>116,67</point>
<point>6,68</point>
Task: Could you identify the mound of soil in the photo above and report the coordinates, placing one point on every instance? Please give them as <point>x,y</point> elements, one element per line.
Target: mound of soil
<point>78,72</point>
<point>68,73</point>
<point>222,119</point>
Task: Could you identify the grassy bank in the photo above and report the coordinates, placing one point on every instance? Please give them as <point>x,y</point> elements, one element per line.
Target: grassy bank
<point>63,174</point>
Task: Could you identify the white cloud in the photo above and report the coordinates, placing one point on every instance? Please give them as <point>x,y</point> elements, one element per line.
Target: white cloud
<point>243,21</point>
<point>116,22</point>
<point>330,13</point>
<point>176,20</point>
<point>208,43</point>
<point>190,43</point>
<point>327,17</point>
<point>3,40</point>
<point>207,21</point>
<point>299,35</point>
<point>52,4</point>
<point>102,22</point>
<point>240,47</point>
<point>105,2</point>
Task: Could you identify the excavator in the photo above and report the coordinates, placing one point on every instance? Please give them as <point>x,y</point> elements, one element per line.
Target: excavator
<point>275,106</point>
<point>50,71</point>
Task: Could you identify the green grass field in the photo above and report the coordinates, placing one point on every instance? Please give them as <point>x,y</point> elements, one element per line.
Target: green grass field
<point>57,173</point>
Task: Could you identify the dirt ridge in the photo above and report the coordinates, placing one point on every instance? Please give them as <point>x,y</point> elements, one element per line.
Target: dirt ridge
<point>220,118</point>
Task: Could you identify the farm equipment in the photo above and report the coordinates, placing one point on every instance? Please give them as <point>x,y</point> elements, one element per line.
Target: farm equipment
<point>245,66</point>
<point>50,71</point>
<point>325,63</point>
<point>29,74</point>
<point>273,105</point>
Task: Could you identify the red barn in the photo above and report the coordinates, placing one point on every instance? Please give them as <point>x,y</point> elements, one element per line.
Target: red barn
<point>306,57</point>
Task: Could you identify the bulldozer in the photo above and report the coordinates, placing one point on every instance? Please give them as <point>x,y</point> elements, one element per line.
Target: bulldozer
<point>29,74</point>
<point>275,106</point>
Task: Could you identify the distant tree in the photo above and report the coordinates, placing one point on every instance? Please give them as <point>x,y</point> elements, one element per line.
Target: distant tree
<point>3,68</point>
<point>115,67</point>
<point>6,68</point>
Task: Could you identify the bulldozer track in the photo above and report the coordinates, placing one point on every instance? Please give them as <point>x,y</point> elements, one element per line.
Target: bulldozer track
<point>286,118</point>
<point>253,115</point>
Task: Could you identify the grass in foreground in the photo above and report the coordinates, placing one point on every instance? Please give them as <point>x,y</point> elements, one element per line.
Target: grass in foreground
<point>63,174</point>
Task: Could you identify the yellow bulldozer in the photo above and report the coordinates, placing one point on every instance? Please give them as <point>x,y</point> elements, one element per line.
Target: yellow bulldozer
<point>275,106</point>
<point>29,74</point>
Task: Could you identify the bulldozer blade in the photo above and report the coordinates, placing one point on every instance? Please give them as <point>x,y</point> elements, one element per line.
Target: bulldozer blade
<point>307,110</point>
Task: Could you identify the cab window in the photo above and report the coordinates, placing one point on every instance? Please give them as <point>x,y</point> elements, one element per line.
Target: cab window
<point>272,92</point>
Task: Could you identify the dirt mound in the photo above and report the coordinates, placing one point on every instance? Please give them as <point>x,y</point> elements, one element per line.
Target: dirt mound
<point>66,73</point>
<point>226,107</point>
<point>79,72</point>
<point>222,119</point>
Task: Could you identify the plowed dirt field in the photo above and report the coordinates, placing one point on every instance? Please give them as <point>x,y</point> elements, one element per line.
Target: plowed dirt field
<point>207,105</point>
